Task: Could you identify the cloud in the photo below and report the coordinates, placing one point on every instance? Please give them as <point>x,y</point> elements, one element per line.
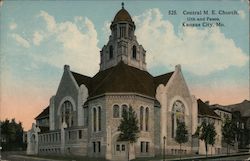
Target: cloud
<point>37,38</point>
<point>20,40</point>
<point>106,30</point>
<point>242,14</point>
<point>78,18</point>
<point>76,39</point>
<point>50,20</point>
<point>200,51</point>
<point>1,3</point>
<point>13,26</point>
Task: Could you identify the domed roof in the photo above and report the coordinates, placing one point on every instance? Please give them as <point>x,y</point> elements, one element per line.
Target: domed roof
<point>122,15</point>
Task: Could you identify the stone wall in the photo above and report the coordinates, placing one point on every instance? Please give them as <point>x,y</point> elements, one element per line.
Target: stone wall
<point>135,101</point>
<point>157,131</point>
<point>99,135</point>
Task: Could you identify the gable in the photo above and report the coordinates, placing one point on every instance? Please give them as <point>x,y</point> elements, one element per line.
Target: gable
<point>177,85</point>
<point>68,84</point>
<point>68,90</point>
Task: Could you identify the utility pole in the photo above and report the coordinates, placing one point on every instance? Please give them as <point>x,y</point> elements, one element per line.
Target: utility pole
<point>164,143</point>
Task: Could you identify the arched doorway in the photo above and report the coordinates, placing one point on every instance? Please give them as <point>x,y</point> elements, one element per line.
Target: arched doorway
<point>119,148</point>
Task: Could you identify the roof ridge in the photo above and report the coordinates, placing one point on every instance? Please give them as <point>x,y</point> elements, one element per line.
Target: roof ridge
<point>79,74</point>
<point>163,74</point>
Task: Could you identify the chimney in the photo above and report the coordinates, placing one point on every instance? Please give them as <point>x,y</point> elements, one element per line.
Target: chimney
<point>67,67</point>
<point>178,67</point>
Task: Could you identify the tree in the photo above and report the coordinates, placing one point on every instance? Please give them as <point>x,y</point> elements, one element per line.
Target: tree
<point>11,135</point>
<point>128,127</point>
<point>211,139</point>
<point>207,134</point>
<point>229,132</point>
<point>181,134</point>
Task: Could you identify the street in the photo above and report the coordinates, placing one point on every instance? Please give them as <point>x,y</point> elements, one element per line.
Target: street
<point>243,157</point>
<point>19,156</point>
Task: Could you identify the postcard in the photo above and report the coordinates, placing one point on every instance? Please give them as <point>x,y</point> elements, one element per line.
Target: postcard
<point>122,80</point>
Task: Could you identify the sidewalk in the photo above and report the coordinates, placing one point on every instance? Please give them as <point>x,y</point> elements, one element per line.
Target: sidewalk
<point>29,158</point>
<point>204,157</point>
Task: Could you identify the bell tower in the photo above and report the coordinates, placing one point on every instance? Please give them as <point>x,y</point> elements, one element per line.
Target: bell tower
<point>122,44</point>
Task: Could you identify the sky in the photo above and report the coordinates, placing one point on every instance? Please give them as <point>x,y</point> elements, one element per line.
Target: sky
<point>38,37</point>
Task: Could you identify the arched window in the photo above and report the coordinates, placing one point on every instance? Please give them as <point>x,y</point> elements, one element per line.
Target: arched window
<point>111,52</point>
<point>146,119</point>
<point>116,111</point>
<point>99,119</point>
<point>172,123</point>
<point>124,108</point>
<point>94,118</point>
<point>67,113</point>
<point>115,31</point>
<point>122,30</point>
<point>130,31</point>
<point>134,52</point>
<point>141,117</point>
<point>178,115</point>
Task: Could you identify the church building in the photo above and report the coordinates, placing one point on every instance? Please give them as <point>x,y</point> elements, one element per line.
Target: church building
<point>84,114</point>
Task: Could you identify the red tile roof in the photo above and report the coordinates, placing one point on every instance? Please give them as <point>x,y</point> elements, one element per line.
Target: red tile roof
<point>122,78</point>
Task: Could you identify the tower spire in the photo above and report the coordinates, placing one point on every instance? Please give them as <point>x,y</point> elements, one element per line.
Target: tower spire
<point>122,5</point>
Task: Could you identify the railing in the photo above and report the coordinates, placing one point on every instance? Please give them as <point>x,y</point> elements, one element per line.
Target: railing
<point>51,142</point>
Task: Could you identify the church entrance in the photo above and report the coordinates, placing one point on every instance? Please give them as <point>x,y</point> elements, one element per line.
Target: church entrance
<point>120,151</point>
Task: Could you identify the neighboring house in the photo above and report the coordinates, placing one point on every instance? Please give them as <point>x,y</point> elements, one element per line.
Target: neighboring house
<point>42,120</point>
<point>223,111</point>
<point>205,113</point>
<point>85,112</point>
<point>241,114</point>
